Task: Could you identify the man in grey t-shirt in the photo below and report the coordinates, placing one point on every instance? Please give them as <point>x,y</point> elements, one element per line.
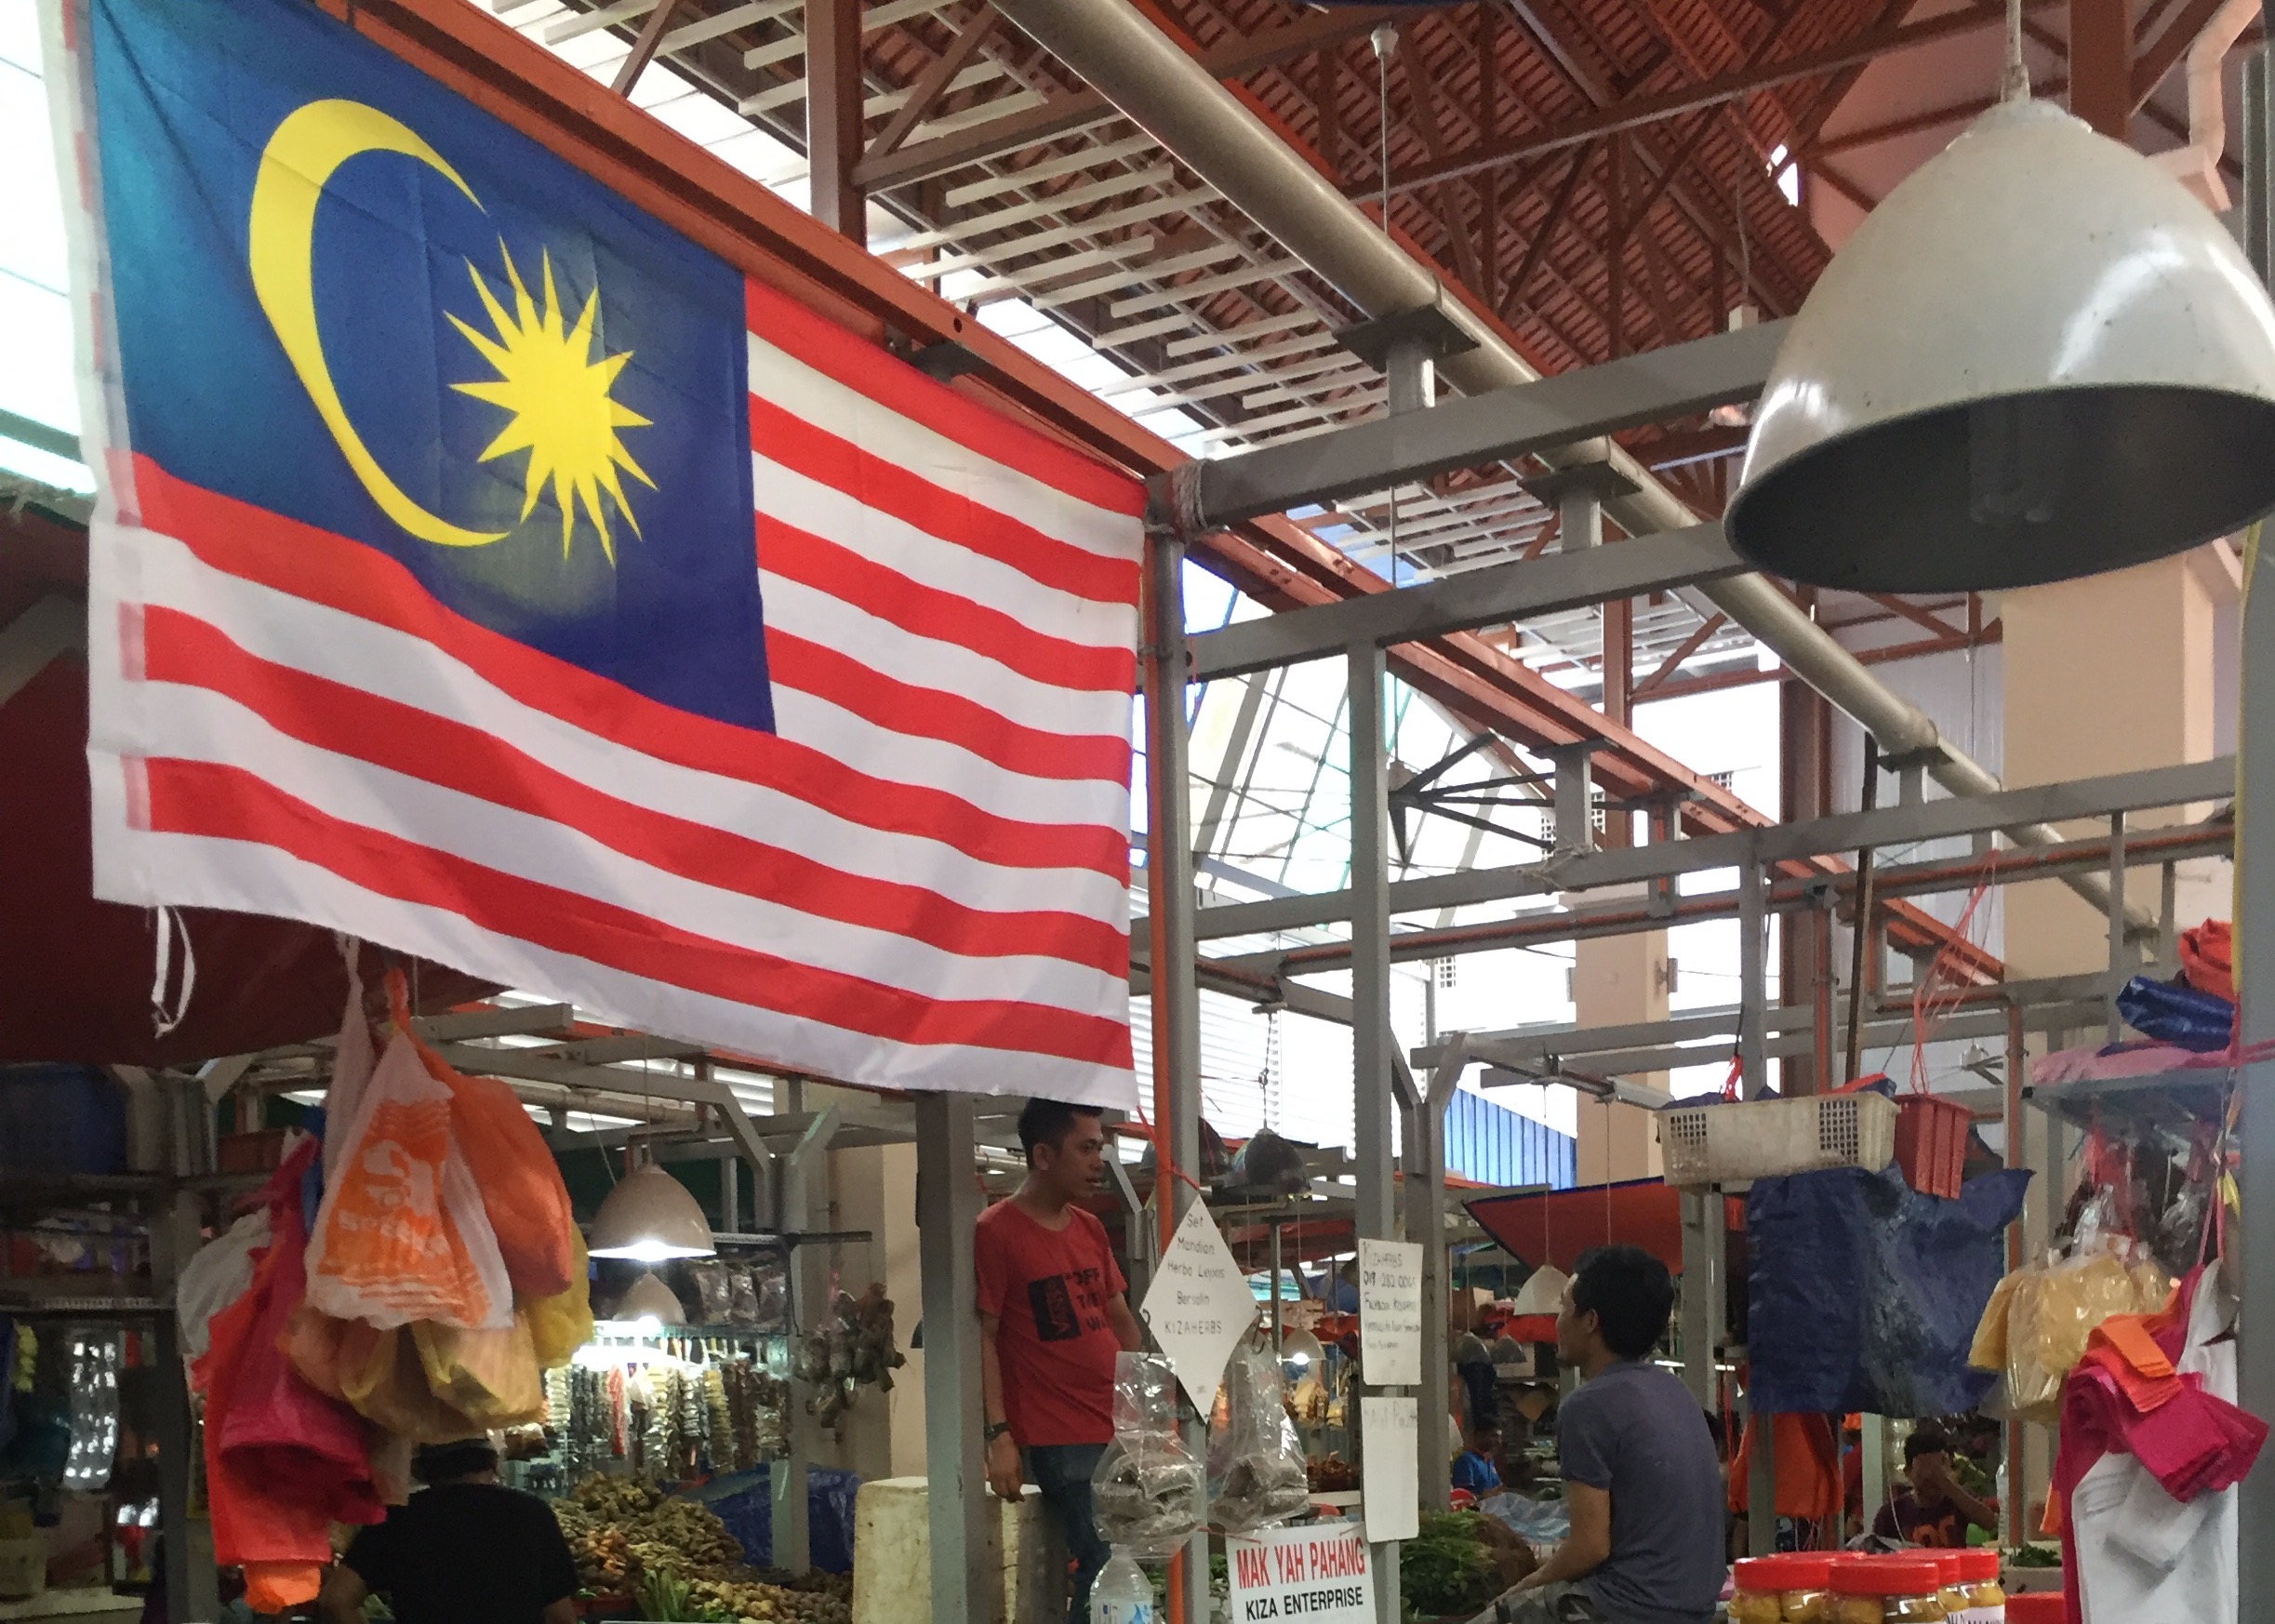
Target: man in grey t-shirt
<point>1641,1474</point>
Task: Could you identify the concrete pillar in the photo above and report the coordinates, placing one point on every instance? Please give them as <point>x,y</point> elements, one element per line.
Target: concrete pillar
<point>875,1185</point>
<point>1616,980</point>
<point>2108,674</point>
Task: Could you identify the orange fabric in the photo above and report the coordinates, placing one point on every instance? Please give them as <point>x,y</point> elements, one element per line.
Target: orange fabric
<point>2127,1335</point>
<point>2207,959</point>
<point>278,1587</point>
<point>522,1192</point>
<point>1808,1468</point>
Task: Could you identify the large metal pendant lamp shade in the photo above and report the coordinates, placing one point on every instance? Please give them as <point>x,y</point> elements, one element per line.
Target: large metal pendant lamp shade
<point>2039,357</point>
<point>650,1217</point>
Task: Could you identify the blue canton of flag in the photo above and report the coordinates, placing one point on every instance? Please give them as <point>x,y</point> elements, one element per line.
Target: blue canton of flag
<point>346,297</point>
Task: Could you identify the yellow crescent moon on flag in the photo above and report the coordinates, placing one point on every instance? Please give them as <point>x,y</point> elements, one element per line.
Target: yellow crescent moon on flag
<point>314,140</point>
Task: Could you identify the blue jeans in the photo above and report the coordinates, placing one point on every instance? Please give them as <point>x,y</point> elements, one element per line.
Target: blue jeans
<point>1062,1472</point>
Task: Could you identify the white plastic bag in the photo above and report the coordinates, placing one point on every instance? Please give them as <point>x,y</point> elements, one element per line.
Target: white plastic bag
<point>352,1065</point>
<point>402,1234</point>
<point>216,1277</point>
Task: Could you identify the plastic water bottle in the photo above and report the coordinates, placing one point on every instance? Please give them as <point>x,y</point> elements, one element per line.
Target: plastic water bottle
<point>1121,1593</point>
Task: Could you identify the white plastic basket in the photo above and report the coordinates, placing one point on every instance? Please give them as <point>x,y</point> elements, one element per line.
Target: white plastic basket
<point>1767,1138</point>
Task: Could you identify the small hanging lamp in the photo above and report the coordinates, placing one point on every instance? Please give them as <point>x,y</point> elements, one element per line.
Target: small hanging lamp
<point>649,1217</point>
<point>2039,357</point>
<point>649,1299</point>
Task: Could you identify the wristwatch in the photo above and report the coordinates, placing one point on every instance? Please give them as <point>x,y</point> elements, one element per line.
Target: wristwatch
<point>993,1431</point>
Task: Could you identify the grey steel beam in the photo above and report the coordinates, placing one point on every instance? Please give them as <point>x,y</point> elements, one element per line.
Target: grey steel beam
<point>2211,780</point>
<point>1175,984</point>
<point>1372,1042</point>
<point>2254,927</point>
<point>801,1203</point>
<point>1653,387</point>
<point>967,1563</point>
<point>1489,596</point>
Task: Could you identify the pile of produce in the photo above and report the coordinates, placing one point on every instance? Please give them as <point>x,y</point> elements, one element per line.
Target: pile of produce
<point>1458,1564</point>
<point>618,1531</point>
<point>1332,1476</point>
<point>677,1560</point>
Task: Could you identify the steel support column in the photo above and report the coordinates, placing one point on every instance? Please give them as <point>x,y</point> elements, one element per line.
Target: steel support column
<point>2254,925</point>
<point>1175,993</point>
<point>1370,993</point>
<point>966,1530</point>
<point>801,1197</point>
<point>834,92</point>
<point>192,1584</point>
<point>1753,977</point>
<point>1424,1192</point>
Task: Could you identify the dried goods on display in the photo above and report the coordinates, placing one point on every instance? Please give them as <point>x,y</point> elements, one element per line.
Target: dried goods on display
<point>1147,1483</point>
<point>855,1348</point>
<point>1256,1462</point>
<point>676,1560</point>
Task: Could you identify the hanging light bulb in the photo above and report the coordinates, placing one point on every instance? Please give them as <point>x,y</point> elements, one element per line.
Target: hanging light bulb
<point>2039,357</point>
<point>649,1217</point>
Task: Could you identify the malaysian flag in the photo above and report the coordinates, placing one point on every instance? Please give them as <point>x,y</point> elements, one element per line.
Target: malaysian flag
<point>423,603</point>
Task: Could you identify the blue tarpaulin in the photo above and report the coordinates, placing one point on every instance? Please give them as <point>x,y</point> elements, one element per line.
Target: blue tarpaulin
<point>1865,1295</point>
<point>748,1512</point>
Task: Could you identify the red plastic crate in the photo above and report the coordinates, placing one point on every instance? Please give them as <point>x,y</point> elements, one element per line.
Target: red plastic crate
<point>1931,1143</point>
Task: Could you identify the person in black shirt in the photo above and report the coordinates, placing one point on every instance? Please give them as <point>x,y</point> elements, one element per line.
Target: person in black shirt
<point>466,1550</point>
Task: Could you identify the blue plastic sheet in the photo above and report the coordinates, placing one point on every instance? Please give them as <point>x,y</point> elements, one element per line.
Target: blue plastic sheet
<point>1865,1295</point>
<point>2176,1015</point>
<point>749,1515</point>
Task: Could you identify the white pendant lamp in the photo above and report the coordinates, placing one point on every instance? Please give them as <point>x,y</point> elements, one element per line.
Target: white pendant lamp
<point>649,1217</point>
<point>650,1299</point>
<point>2039,357</point>
<point>1543,1291</point>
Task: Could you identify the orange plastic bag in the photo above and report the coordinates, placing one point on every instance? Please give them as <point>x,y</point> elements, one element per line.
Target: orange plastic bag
<point>402,1234</point>
<point>522,1192</point>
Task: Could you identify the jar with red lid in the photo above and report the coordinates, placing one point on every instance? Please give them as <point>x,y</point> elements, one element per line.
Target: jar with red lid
<point>1889,1589</point>
<point>1786,1588</point>
<point>1984,1599</point>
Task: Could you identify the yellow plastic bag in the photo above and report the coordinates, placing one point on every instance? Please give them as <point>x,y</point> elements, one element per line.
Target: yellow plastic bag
<point>381,1374</point>
<point>2035,1328</point>
<point>561,1325</point>
<point>489,1377</point>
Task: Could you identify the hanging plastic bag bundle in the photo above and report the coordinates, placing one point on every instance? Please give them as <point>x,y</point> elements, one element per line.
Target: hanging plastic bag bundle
<point>1256,1461</point>
<point>281,1432</point>
<point>402,1234</point>
<point>521,1193</point>
<point>1147,1483</point>
<point>280,1538</point>
<point>2035,1328</point>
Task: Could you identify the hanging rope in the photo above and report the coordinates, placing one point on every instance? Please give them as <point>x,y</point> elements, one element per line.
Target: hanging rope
<point>2015,84</point>
<point>1385,40</point>
<point>166,1016</point>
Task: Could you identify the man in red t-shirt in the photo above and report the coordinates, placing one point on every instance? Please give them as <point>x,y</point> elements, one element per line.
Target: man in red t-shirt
<point>1051,1318</point>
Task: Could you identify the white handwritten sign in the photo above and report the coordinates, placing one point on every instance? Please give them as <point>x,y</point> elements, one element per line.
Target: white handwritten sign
<point>1391,1466</point>
<point>1318,1573</point>
<point>1391,1313</point>
<point>1198,1306</point>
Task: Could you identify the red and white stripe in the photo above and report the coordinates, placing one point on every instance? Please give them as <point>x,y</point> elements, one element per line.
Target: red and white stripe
<point>920,881</point>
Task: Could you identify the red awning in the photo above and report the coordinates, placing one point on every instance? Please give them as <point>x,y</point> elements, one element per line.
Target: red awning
<point>1557,1226</point>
